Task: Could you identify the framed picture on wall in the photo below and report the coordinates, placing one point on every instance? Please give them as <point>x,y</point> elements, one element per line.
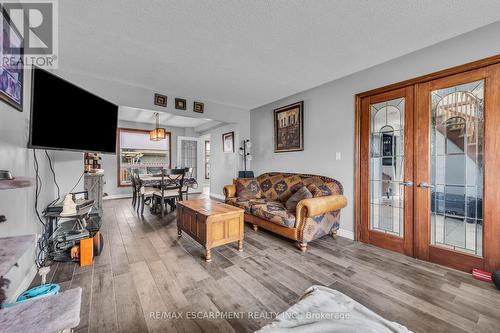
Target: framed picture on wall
<point>11,66</point>
<point>161,100</point>
<point>228,142</point>
<point>180,104</point>
<point>198,107</point>
<point>289,128</point>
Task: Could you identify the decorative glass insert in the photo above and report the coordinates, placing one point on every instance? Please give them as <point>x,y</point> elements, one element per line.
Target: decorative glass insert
<point>207,159</point>
<point>189,156</point>
<point>457,169</point>
<point>387,167</point>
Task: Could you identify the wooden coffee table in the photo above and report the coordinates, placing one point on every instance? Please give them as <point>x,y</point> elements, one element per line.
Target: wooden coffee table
<point>210,223</point>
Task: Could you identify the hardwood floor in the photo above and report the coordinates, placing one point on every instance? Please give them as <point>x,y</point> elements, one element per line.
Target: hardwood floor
<point>145,273</point>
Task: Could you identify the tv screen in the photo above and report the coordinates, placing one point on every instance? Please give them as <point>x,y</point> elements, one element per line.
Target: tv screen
<point>66,117</point>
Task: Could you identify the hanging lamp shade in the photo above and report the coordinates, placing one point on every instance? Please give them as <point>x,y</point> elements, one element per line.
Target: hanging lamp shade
<point>158,133</point>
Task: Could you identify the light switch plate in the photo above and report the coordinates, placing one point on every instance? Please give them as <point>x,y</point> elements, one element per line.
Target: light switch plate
<point>338,156</point>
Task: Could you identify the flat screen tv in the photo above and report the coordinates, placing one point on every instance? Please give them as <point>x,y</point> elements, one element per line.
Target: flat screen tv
<point>66,117</point>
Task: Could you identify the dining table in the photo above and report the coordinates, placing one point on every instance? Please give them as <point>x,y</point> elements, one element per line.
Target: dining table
<point>155,181</point>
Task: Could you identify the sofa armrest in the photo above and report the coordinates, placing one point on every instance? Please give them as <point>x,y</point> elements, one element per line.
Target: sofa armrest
<point>320,205</point>
<point>229,191</point>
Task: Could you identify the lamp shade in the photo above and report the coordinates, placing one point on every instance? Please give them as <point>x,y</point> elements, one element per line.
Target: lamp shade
<point>157,134</point>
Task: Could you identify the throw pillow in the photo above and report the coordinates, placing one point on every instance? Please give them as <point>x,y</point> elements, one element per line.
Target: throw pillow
<point>248,188</point>
<point>302,193</point>
<point>319,190</point>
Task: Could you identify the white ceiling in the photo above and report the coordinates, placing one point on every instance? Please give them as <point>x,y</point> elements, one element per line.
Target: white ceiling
<point>166,119</point>
<point>248,53</point>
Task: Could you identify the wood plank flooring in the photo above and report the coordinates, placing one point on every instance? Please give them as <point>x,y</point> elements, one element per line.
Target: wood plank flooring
<point>145,272</point>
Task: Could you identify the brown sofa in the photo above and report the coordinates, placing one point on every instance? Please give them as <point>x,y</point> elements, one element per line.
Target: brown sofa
<point>314,217</point>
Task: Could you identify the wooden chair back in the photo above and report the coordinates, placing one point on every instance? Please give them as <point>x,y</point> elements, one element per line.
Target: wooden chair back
<point>172,179</point>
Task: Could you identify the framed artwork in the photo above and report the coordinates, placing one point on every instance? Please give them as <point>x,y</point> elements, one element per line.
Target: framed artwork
<point>161,100</point>
<point>289,128</point>
<point>228,142</point>
<point>198,107</point>
<point>180,104</point>
<point>11,71</point>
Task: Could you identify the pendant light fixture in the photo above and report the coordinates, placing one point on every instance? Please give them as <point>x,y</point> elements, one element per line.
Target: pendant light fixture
<point>158,133</point>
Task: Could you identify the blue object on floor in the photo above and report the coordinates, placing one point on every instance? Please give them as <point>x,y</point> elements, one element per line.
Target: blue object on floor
<point>37,292</point>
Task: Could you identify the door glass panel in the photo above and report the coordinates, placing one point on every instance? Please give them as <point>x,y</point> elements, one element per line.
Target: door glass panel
<point>387,166</point>
<point>457,142</point>
<point>189,154</point>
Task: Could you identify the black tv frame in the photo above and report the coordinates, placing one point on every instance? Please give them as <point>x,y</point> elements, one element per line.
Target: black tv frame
<point>30,144</point>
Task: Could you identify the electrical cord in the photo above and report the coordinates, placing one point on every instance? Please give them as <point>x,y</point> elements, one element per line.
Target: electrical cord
<point>38,186</point>
<point>38,189</point>
<point>54,176</point>
<point>78,182</point>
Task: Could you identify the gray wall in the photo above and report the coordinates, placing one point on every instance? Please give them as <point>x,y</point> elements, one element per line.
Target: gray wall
<point>329,110</point>
<point>124,94</point>
<point>18,204</point>
<point>223,166</point>
<point>69,165</point>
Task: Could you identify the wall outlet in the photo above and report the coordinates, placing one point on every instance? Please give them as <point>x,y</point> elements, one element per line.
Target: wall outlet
<point>338,156</point>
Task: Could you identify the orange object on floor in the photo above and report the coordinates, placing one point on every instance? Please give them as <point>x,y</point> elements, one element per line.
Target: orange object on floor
<point>97,243</point>
<point>75,252</point>
<point>86,252</point>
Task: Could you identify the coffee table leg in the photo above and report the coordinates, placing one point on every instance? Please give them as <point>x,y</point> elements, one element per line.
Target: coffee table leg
<point>240,245</point>
<point>208,255</point>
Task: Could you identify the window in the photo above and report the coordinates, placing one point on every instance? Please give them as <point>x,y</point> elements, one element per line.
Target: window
<point>207,159</point>
<point>138,154</point>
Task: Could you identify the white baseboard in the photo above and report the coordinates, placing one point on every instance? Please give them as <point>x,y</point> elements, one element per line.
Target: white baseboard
<point>217,196</point>
<point>117,196</point>
<point>345,233</point>
<point>24,284</point>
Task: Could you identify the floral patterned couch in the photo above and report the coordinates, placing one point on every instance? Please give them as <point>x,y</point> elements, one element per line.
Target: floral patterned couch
<point>313,218</point>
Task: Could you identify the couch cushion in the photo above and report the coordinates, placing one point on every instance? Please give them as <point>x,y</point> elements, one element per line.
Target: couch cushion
<point>245,203</point>
<point>279,186</point>
<point>319,190</point>
<point>247,188</point>
<point>275,212</point>
<point>301,194</point>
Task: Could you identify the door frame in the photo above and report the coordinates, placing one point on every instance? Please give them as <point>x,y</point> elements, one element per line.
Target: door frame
<point>491,233</point>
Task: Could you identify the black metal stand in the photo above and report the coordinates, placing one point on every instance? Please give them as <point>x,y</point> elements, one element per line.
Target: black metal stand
<point>245,173</point>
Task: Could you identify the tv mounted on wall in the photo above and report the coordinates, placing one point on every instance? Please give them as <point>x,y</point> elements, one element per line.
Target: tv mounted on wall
<point>66,117</point>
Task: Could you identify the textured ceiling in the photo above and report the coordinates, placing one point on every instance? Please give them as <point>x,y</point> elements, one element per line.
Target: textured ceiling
<point>248,53</point>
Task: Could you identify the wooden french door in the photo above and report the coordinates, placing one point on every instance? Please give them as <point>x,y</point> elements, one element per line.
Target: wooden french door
<point>386,170</point>
<point>429,168</point>
<point>456,169</point>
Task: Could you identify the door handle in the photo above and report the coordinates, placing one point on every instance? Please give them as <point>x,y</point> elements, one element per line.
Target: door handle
<point>408,183</point>
<point>425,185</point>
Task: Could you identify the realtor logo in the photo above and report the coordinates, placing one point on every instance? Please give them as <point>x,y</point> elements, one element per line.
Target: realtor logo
<point>29,33</point>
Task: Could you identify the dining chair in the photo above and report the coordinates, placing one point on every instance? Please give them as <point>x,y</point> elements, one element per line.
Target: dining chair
<point>185,189</point>
<point>172,181</point>
<point>144,194</point>
<point>134,189</point>
<point>133,180</point>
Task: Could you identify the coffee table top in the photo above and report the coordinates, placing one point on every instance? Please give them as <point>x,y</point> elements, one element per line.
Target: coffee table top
<point>209,207</point>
